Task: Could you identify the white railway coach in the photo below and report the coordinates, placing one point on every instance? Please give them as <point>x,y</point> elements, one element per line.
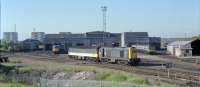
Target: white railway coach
<point>106,54</point>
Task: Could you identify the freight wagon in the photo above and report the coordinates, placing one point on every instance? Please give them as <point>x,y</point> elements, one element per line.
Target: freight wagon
<point>106,54</point>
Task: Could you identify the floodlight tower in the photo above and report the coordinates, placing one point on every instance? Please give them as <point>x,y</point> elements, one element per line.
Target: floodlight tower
<point>0,22</point>
<point>0,28</point>
<point>15,28</point>
<point>104,10</point>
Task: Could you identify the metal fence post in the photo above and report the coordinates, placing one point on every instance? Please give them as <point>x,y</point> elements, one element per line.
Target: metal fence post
<point>168,73</point>
<point>39,82</point>
<point>175,79</point>
<point>100,83</point>
<point>46,82</point>
<point>57,83</point>
<point>199,78</point>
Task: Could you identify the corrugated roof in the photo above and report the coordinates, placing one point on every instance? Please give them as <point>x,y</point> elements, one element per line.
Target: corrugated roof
<point>64,35</point>
<point>53,35</point>
<point>180,43</point>
<point>96,32</point>
<point>137,34</point>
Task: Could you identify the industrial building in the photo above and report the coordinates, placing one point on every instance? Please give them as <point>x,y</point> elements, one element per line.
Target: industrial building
<point>29,45</point>
<point>38,36</point>
<point>184,48</point>
<point>10,36</point>
<point>95,38</point>
<point>140,40</point>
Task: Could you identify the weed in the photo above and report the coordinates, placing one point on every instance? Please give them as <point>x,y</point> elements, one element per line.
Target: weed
<point>16,85</point>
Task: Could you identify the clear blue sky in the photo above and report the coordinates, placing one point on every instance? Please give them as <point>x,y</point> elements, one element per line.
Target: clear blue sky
<point>165,18</point>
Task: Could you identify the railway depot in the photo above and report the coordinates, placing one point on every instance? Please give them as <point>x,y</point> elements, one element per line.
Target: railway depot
<point>126,43</point>
<point>140,40</point>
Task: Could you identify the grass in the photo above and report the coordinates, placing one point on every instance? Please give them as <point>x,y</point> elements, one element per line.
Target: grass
<point>138,80</point>
<point>121,77</point>
<point>7,67</point>
<point>16,61</point>
<point>166,85</point>
<point>101,73</point>
<point>25,70</point>
<point>79,69</point>
<point>16,85</point>
<point>2,77</point>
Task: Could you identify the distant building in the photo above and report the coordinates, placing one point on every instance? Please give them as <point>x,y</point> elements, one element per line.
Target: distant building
<point>38,36</point>
<point>154,43</point>
<point>65,33</point>
<point>29,45</point>
<point>184,48</point>
<point>97,34</point>
<point>100,38</point>
<point>136,39</point>
<point>141,40</point>
<point>10,36</point>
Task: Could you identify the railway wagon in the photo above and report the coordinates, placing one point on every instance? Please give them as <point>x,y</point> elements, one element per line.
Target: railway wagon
<point>83,53</point>
<point>106,54</point>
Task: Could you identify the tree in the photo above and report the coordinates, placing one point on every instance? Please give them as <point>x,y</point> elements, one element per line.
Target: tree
<point>196,37</point>
<point>5,45</point>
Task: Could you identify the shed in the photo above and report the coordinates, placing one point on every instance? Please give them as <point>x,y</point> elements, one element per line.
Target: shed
<point>184,48</point>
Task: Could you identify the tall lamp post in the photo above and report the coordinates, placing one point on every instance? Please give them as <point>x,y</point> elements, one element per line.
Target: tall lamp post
<point>0,29</point>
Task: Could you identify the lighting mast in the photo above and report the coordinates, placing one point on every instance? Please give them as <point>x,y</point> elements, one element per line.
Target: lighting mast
<point>104,11</point>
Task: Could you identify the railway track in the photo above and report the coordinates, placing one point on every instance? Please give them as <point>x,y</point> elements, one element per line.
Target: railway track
<point>177,77</point>
<point>174,76</point>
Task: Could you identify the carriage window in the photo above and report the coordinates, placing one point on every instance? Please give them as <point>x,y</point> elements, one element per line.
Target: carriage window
<point>122,53</point>
<point>103,55</point>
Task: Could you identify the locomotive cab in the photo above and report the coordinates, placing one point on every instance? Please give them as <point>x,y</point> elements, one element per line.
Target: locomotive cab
<point>132,55</point>
<point>119,55</point>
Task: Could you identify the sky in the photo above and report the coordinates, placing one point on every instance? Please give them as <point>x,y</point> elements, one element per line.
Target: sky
<point>160,18</point>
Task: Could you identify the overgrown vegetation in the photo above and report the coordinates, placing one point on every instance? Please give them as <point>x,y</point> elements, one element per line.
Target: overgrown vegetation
<point>122,77</point>
<point>5,46</point>
<point>196,37</point>
<point>16,85</point>
<point>51,67</point>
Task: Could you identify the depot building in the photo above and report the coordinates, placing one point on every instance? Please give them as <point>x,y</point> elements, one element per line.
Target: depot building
<point>184,48</point>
